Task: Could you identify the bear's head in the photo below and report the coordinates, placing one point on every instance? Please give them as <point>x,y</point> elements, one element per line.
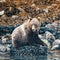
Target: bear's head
<point>33,24</point>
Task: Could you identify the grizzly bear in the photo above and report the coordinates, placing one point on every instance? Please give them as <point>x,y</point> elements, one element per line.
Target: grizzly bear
<point>27,33</point>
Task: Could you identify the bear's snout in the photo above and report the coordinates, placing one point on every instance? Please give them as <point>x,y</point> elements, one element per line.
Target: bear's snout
<point>34,29</point>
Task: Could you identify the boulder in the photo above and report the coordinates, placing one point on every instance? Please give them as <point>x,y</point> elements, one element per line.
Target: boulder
<point>6,39</point>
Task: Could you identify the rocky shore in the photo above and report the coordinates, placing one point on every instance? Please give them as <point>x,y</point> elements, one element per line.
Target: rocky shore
<point>18,11</point>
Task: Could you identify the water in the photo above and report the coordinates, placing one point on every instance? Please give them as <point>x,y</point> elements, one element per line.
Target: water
<point>5,56</point>
<point>17,56</point>
<point>25,53</point>
<point>29,53</point>
<point>9,57</point>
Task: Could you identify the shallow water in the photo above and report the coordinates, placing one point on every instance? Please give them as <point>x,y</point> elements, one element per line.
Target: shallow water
<point>24,53</point>
<point>9,57</point>
<point>28,53</point>
<point>6,56</point>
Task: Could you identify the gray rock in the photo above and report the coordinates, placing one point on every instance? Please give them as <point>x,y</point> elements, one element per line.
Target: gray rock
<point>6,39</point>
<point>56,42</point>
<point>5,48</point>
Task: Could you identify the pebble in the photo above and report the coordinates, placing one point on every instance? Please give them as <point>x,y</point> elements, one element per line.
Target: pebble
<point>2,0</point>
<point>1,13</point>
<point>45,10</point>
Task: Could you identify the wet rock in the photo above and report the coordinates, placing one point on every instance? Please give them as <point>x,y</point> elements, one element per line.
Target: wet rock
<point>57,36</point>
<point>41,36</point>
<point>50,26</point>
<point>6,29</point>
<point>2,48</point>
<point>43,24</point>
<point>56,47</point>
<point>56,42</point>
<point>55,25</point>
<point>0,41</point>
<point>6,39</point>
<point>49,35</point>
<point>5,48</point>
<point>9,48</point>
<point>42,30</point>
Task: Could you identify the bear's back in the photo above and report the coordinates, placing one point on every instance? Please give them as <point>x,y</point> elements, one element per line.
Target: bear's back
<point>19,33</point>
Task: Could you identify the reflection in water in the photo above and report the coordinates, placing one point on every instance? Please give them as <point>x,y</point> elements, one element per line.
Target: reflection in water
<point>32,58</point>
<point>25,53</point>
<point>14,57</point>
<point>29,53</point>
<point>6,56</point>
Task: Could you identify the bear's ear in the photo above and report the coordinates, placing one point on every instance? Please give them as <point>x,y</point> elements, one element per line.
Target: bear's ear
<point>29,18</point>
